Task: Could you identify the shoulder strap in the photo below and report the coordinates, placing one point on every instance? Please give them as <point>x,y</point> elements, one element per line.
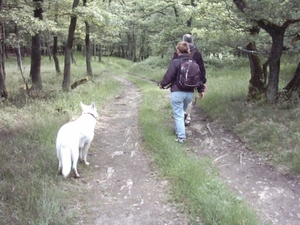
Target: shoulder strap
<point>192,53</point>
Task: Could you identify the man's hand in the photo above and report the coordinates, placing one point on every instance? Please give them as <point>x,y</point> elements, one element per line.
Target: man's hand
<point>201,95</point>
<point>159,85</point>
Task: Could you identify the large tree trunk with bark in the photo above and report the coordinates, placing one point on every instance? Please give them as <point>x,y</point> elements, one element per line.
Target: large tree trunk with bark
<point>274,65</point>
<point>256,83</point>
<point>68,51</point>
<point>35,69</point>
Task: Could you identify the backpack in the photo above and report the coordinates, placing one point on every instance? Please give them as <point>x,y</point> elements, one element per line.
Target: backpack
<point>189,73</point>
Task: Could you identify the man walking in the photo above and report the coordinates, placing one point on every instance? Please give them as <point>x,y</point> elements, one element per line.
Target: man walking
<point>181,96</point>
<point>195,55</point>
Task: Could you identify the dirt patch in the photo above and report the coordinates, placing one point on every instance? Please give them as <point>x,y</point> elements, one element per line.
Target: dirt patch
<point>121,185</point>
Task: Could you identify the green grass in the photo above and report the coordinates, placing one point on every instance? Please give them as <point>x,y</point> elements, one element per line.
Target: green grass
<point>195,183</point>
<point>30,190</point>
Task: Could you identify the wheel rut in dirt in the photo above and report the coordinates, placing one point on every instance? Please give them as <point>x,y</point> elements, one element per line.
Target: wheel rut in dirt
<point>275,197</point>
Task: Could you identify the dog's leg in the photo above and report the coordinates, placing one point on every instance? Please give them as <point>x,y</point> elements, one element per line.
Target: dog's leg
<point>85,150</point>
<point>59,169</point>
<point>75,157</point>
<point>59,163</point>
<point>76,174</point>
<point>80,155</point>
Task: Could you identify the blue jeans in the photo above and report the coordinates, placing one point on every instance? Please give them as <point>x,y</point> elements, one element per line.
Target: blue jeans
<point>179,102</point>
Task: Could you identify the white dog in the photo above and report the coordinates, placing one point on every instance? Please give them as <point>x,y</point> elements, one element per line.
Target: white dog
<point>74,139</point>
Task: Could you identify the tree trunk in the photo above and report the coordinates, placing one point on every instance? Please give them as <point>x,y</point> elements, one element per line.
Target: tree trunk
<point>48,52</point>
<point>87,46</point>
<point>19,57</point>
<point>294,84</point>
<point>68,51</point>
<point>35,69</point>
<point>88,50</point>
<point>274,65</point>
<point>3,91</point>
<point>256,84</point>
<point>133,47</point>
<point>55,57</point>
<point>18,49</point>
<point>265,71</point>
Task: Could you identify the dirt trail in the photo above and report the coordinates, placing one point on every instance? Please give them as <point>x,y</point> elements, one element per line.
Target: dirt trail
<point>121,185</point>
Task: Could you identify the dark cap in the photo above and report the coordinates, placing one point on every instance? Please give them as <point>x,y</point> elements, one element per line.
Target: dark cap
<point>188,38</point>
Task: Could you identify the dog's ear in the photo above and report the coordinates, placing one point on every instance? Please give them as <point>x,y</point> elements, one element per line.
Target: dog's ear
<point>82,105</point>
<point>93,105</point>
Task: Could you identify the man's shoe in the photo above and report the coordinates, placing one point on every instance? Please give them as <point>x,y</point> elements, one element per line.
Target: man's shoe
<point>185,115</point>
<point>187,123</point>
<point>180,140</point>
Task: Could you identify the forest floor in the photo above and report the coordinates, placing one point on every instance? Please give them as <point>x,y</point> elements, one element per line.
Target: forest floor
<point>122,186</point>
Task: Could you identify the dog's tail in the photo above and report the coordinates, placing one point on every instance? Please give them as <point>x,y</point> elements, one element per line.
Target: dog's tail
<point>66,161</point>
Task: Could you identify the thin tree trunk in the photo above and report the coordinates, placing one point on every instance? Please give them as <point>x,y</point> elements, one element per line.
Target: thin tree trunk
<point>3,91</point>
<point>133,50</point>
<point>55,47</point>
<point>19,57</point>
<point>87,46</point>
<point>88,50</point>
<point>35,69</point>
<point>68,51</point>
<point>100,53</point>
<point>55,57</point>
<point>49,52</point>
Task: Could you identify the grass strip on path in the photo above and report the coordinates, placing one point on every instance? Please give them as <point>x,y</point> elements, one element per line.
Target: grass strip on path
<point>195,183</point>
